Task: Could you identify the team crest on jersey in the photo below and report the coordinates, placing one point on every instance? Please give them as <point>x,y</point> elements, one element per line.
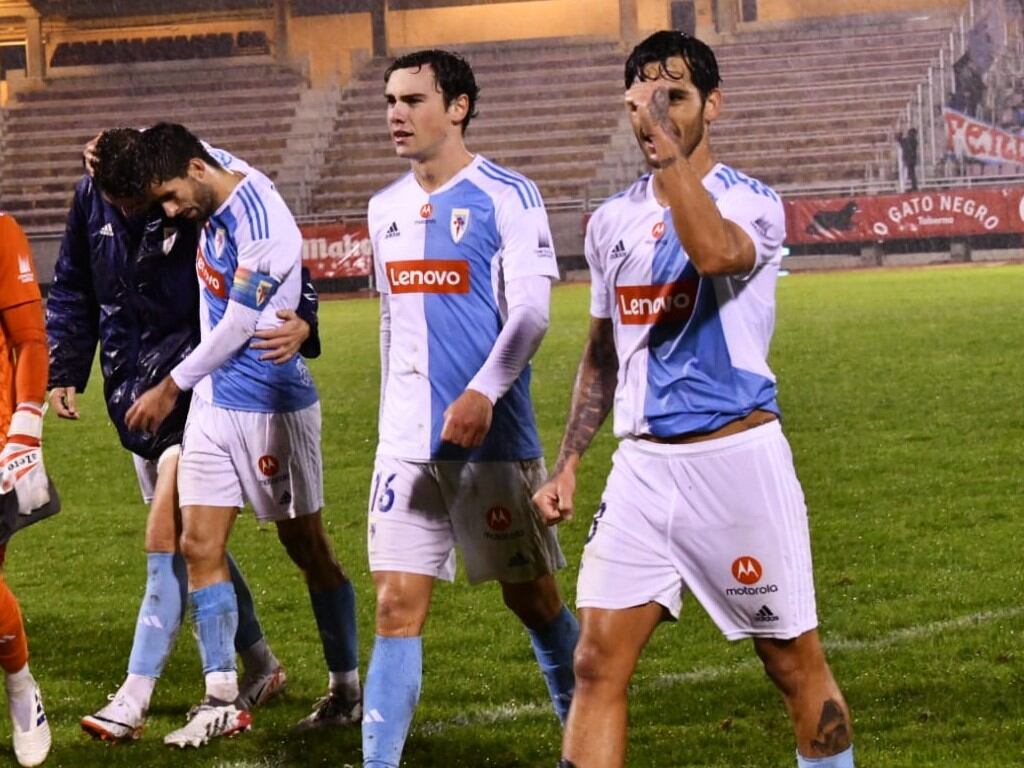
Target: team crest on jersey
<point>24,268</point>
<point>264,290</point>
<point>218,242</point>
<point>459,223</point>
<point>658,230</point>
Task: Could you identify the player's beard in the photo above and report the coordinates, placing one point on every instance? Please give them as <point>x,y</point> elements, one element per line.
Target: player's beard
<point>205,203</point>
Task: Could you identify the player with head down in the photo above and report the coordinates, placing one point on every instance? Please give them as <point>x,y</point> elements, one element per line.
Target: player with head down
<point>139,266</point>
<point>702,496</point>
<point>464,266</point>
<point>253,430</point>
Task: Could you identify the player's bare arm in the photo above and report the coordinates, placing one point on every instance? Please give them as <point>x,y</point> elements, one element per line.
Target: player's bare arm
<point>153,406</point>
<point>468,419</point>
<point>715,246</point>
<point>283,342</point>
<point>593,395</point>
<point>63,402</point>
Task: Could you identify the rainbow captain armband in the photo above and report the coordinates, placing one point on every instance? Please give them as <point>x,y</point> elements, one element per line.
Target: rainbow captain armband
<point>253,289</point>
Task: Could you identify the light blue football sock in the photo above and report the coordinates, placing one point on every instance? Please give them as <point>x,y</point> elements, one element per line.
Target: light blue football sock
<point>249,630</point>
<point>159,615</point>
<point>335,611</point>
<point>554,646</point>
<point>389,700</point>
<point>843,760</point>
<point>215,613</point>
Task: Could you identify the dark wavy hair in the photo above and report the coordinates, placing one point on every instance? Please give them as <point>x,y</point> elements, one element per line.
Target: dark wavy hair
<point>662,46</point>
<point>452,75</point>
<point>167,149</point>
<point>117,170</point>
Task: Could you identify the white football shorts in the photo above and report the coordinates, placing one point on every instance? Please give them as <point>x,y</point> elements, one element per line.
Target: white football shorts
<point>147,470</point>
<point>270,460</point>
<point>724,519</point>
<point>419,511</point>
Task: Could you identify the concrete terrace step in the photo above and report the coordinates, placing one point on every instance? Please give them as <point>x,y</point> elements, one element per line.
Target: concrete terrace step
<point>486,143</point>
<point>147,113</point>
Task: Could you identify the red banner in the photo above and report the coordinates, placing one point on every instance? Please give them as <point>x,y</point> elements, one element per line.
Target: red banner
<point>941,213</point>
<point>971,138</point>
<point>337,250</point>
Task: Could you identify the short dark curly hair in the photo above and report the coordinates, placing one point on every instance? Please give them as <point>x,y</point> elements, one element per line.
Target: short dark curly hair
<point>167,149</point>
<point>663,45</point>
<point>116,169</point>
<point>452,75</point>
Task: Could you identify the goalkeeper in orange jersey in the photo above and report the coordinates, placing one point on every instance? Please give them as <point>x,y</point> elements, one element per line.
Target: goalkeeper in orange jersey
<point>26,492</point>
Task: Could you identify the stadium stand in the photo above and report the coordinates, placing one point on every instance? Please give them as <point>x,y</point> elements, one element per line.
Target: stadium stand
<point>547,109</point>
<point>552,110</point>
<point>246,105</point>
<point>127,51</point>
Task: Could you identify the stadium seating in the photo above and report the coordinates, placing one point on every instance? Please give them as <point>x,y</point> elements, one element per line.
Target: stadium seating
<point>127,51</point>
<point>806,104</point>
<point>248,106</point>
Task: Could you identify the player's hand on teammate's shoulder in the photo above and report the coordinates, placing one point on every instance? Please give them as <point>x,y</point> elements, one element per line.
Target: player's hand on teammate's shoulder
<point>62,400</point>
<point>283,342</point>
<point>554,499</point>
<point>467,420</point>
<point>89,154</point>
<point>153,406</point>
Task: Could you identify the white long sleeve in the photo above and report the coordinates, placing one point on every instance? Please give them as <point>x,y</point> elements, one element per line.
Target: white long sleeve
<point>528,299</point>
<point>231,334</point>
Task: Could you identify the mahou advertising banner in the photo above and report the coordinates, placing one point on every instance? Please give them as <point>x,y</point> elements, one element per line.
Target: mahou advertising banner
<point>337,250</point>
<point>941,213</point>
<point>973,139</point>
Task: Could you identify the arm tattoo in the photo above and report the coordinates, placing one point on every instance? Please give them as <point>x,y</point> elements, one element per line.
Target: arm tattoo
<point>593,392</point>
<point>833,730</point>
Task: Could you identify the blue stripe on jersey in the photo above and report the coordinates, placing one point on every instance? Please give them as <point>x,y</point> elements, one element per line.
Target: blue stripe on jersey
<point>249,215</point>
<point>254,208</point>
<point>518,189</point>
<point>691,383</point>
<point>521,183</point>
<point>257,198</point>
<point>246,383</point>
<point>730,176</point>
<point>462,329</point>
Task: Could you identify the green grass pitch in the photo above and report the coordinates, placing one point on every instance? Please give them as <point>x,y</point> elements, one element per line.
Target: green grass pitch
<point>902,397</point>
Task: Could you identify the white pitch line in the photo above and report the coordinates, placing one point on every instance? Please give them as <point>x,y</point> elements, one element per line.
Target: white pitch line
<point>512,710</point>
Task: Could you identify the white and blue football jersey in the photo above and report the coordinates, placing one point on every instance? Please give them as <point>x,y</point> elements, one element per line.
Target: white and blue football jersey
<point>692,350</point>
<point>250,251</point>
<point>443,258</point>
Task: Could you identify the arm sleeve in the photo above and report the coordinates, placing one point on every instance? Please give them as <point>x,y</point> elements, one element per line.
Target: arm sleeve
<point>385,347</point>
<point>600,305</point>
<point>262,266</point>
<point>528,300</point>
<point>308,309</point>
<point>72,311</point>
<point>758,211</point>
<point>26,335</point>
<point>526,244</point>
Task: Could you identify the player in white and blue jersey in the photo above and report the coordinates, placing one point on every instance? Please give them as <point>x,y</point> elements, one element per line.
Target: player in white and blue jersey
<point>702,496</point>
<point>253,429</point>
<point>464,265</point>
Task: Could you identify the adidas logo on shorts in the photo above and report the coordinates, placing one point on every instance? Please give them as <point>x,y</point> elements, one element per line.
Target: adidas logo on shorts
<point>765,614</point>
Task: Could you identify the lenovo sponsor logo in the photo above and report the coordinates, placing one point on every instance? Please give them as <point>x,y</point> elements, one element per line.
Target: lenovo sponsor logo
<point>429,276</point>
<point>655,304</point>
<point>213,279</point>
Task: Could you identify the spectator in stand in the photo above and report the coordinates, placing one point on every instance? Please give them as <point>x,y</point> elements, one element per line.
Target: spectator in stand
<point>908,152</point>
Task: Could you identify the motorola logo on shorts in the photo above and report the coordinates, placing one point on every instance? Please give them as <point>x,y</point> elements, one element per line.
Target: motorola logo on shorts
<point>499,521</point>
<point>747,570</point>
<point>268,465</point>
